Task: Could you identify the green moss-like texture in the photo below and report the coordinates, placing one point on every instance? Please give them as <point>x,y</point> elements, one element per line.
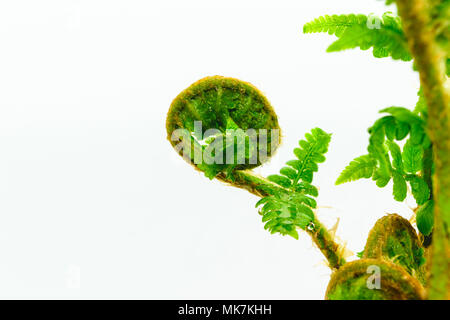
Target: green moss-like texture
<point>215,100</point>
<point>350,282</point>
<point>395,240</point>
<point>222,103</point>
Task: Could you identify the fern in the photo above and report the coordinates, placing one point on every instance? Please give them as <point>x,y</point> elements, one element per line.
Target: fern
<point>386,161</point>
<point>412,157</point>
<point>384,35</point>
<point>359,168</point>
<point>425,218</point>
<point>310,153</point>
<point>335,24</point>
<point>284,212</point>
<point>419,188</point>
<point>400,187</point>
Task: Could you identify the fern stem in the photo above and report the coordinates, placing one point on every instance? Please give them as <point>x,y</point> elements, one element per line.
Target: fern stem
<point>252,182</point>
<point>429,58</point>
<point>325,242</point>
<point>260,186</point>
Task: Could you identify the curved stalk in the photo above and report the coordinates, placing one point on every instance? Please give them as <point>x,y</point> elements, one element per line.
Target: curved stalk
<point>325,242</point>
<point>262,187</point>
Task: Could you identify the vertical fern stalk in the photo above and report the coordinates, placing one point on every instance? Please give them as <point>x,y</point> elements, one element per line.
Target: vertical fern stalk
<point>429,59</point>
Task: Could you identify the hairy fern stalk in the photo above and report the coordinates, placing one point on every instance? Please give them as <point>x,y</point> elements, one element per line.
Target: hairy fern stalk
<point>408,149</point>
<point>285,211</point>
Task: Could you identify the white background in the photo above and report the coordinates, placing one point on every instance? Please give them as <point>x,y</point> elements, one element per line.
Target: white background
<point>94,203</point>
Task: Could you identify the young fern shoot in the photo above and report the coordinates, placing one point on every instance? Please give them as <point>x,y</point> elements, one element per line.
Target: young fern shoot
<point>224,106</point>
<point>408,147</point>
<point>386,161</point>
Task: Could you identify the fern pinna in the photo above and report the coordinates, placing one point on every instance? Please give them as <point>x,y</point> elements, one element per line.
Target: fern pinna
<point>383,34</point>
<point>284,212</point>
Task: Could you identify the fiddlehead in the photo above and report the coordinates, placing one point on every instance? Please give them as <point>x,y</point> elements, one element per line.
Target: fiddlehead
<point>218,116</point>
<point>373,279</point>
<point>395,240</point>
<point>220,125</point>
<point>391,268</point>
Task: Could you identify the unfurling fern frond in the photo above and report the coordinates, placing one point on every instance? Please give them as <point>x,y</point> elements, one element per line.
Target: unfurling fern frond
<point>384,35</point>
<point>284,212</point>
<point>386,161</point>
